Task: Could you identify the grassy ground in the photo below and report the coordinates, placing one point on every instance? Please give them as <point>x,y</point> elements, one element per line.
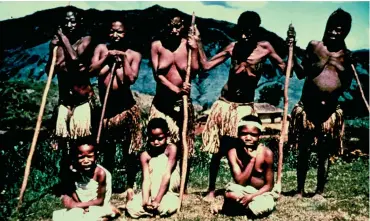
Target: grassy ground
<point>346,196</point>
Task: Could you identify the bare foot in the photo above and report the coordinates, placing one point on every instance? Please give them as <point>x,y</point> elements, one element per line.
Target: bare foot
<point>318,197</point>
<point>299,195</point>
<point>130,194</point>
<point>210,197</point>
<point>215,209</point>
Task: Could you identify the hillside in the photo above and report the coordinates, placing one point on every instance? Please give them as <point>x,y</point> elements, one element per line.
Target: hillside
<point>25,50</point>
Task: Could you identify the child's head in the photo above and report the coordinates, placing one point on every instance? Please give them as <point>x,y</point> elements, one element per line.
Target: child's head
<point>85,154</point>
<point>249,130</point>
<point>157,132</point>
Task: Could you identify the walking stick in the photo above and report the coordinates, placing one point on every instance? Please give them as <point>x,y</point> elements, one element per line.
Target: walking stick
<point>283,135</point>
<point>360,87</point>
<point>105,103</point>
<point>37,129</point>
<point>185,146</point>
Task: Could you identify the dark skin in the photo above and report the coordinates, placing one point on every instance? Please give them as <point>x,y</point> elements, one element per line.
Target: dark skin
<point>328,73</point>
<point>120,97</point>
<point>169,67</point>
<point>157,141</point>
<point>240,71</point>
<point>251,165</point>
<point>68,64</point>
<point>86,159</point>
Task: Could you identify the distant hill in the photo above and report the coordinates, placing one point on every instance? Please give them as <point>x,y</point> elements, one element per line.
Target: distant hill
<point>24,46</point>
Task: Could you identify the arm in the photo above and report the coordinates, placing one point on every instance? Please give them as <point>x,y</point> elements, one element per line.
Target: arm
<point>306,63</point>
<point>275,57</point>
<point>131,70</point>
<point>101,179</point>
<point>240,177</point>
<point>144,159</point>
<point>99,57</point>
<point>193,45</point>
<point>269,174</point>
<point>53,43</point>
<point>155,62</point>
<point>71,53</point>
<point>171,164</point>
<point>215,60</point>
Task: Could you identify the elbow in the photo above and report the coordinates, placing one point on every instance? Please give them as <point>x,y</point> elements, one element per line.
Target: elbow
<point>74,57</point>
<point>100,201</point>
<point>206,67</point>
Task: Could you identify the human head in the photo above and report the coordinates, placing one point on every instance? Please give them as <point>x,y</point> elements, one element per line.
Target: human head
<point>71,20</point>
<point>158,132</point>
<point>117,31</point>
<point>337,27</point>
<point>85,154</point>
<point>248,24</point>
<point>249,130</point>
<point>176,26</point>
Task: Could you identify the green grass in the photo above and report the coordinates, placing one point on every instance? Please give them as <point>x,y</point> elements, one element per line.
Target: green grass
<point>346,197</point>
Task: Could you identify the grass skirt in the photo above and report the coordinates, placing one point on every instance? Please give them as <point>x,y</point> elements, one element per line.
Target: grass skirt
<point>125,126</point>
<point>223,121</point>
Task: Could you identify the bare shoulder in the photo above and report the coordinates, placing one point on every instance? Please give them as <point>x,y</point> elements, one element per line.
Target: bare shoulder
<point>171,149</point>
<point>133,54</point>
<point>145,157</point>
<point>232,153</point>
<point>156,44</point>
<point>230,47</point>
<point>86,40</point>
<point>100,174</point>
<point>267,153</point>
<point>102,47</point>
<point>265,44</point>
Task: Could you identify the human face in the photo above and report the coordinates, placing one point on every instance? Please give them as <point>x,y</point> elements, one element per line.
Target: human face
<point>70,22</point>
<point>246,33</point>
<point>334,33</point>
<point>157,138</point>
<point>249,135</point>
<point>86,157</point>
<point>176,26</point>
<point>117,32</point>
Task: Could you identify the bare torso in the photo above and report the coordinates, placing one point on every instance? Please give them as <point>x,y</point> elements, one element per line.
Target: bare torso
<point>73,87</point>
<point>120,95</point>
<point>328,75</point>
<point>257,179</point>
<point>172,65</point>
<point>244,76</point>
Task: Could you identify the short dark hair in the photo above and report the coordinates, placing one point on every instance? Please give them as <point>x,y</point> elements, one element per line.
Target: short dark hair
<point>249,19</point>
<point>158,123</point>
<point>341,18</point>
<point>89,140</point>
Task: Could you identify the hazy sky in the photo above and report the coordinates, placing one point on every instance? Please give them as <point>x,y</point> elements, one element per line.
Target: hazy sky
<point>309,18</point>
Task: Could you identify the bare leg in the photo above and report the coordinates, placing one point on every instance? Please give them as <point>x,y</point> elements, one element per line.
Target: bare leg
<point>213,172</point>
<point>302,165</point>
<point>323,165</point>
<point>109,156</point>
<point>131,170</point>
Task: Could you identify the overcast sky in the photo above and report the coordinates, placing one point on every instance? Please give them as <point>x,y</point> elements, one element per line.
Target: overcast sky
<point>309,18</point>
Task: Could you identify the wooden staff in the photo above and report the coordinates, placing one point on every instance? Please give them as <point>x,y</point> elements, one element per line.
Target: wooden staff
<point>37,129</point>
<point>360,87</point>
<point>283,135</point>
<point>185,146</point>
<point>105,102</point>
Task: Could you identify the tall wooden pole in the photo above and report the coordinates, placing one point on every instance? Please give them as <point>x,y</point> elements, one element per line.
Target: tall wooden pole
<point>185,146</point>
<point>37,129</point>
<point>283,135</point>
<point>360,87</point>
<point>112,74</point>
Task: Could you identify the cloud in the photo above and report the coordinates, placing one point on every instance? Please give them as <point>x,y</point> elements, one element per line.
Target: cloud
<point>220,3</point>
